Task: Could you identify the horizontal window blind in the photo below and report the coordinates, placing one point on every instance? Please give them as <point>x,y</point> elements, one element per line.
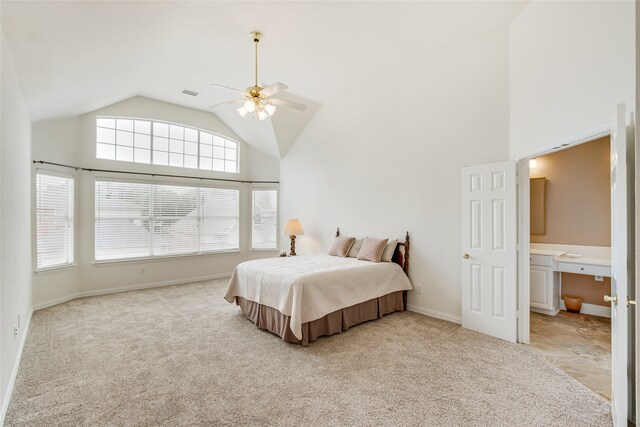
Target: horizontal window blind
<point>54,220</point>
<point>264,232</point>
<point>136,220</point>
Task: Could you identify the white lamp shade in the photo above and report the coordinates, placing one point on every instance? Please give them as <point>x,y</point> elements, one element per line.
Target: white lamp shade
<point>249,105</point>
<point>270,109</point>
<point>292,228</point>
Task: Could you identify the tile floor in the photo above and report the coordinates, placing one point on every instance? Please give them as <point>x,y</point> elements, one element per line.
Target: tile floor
<point>578,344</point>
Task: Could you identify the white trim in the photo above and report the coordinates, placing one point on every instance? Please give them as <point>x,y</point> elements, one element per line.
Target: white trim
<point>14,371</point>
<point>552,312</point>
<point>436,314</point>
<point>579,138</point>
<point>522,166</point>
<point>56,301</point>
<point>592,309</point>
<point>55,269</point>
<point>153,258</point>
<point>523,248</point>
<point>126,288</point>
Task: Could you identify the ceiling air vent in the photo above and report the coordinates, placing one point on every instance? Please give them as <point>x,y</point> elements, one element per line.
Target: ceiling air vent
<point>190,92</point>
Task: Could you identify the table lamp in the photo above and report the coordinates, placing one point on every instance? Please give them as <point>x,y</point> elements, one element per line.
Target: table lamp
<point>293,228</point>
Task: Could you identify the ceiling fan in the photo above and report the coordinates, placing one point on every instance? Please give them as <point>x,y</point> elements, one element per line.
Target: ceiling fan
<point>257,99</point>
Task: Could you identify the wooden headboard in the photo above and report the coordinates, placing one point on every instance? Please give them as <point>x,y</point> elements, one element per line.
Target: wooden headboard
<point>400,255</point>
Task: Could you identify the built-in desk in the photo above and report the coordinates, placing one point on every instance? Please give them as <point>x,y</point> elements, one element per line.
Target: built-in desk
<point>580,265</point>
<point>548,261</point>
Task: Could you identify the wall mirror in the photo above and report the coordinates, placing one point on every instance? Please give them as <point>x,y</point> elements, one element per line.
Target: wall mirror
<point>537,214</point>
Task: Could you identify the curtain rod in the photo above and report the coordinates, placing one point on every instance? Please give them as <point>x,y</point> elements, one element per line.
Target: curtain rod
<point>42,162</point>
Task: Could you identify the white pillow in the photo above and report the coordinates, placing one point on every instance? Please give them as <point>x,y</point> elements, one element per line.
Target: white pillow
<point>355,248</point>
<point>387,255</point>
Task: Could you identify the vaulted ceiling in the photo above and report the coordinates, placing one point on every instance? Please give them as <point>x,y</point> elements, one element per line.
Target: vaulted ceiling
<point>74,57</point>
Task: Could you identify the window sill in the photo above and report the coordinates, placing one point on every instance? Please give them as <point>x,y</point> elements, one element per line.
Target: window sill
<point>277,251</point>
<point>98,263</point>
<point>55,269</point>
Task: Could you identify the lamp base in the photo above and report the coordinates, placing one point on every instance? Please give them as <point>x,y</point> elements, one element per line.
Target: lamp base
<point>293,245</point>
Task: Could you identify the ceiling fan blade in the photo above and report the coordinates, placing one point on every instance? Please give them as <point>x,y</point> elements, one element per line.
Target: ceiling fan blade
<point>232,102</point>
<point>273,89</point>
<point>288,104</point>
<point>227,87</point>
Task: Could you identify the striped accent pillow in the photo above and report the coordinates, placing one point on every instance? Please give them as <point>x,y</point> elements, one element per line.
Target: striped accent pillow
<point>387,255</point>
<point>355,248</point>
<point>341,246</point>
<point>372,249</point>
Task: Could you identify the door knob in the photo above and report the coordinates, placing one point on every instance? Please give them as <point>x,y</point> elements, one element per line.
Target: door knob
<point>466,256</point>
<point>613,299</point>
<point>630,302</point>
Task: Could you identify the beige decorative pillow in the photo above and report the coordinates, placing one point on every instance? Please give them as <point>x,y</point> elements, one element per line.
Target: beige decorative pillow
<point>387,255</point>
<point>355,248</point>
<point>341,246</point>
<point>372,249</point>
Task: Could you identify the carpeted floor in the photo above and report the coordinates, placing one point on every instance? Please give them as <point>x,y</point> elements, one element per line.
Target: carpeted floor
<point>182,356</point>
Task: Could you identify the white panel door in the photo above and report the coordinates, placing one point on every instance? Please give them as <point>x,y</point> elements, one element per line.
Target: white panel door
<point>489,249</point>
<point>620,265</point>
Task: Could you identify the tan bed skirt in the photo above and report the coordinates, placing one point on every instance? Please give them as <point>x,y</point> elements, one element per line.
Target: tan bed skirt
<point>333,323</point>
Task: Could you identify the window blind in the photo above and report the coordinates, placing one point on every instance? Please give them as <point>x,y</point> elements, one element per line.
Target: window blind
<point>144,220</point>
<point>264,232</point>
<point>54,220</point>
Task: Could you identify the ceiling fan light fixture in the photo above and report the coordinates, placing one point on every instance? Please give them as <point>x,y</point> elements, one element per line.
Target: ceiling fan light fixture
<point>270,108</point>
<point>258,99</point>
<point>249,105</point>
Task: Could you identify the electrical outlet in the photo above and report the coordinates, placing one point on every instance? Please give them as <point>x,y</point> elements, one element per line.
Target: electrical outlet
<point>599,278</point>
<point>418,289</point>
<point>143,269</point>
<point>15,332</point>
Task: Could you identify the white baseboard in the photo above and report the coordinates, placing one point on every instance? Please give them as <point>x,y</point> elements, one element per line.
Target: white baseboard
<point>55,301</point>
<point>433,313</point>
<point>592,309</point>
<point>14,371</point>
<point>543,311</point>
<point>83,294</point>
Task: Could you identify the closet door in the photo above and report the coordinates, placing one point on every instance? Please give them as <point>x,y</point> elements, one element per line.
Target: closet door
<point>488,262</point>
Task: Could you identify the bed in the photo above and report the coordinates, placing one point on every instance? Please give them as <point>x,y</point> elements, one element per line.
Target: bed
<point>302,298</point>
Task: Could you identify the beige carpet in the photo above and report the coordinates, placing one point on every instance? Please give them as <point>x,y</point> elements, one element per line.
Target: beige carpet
<point>182,356</point>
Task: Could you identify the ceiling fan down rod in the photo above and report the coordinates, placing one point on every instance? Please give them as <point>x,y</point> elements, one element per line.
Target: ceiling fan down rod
<point>256,39</point>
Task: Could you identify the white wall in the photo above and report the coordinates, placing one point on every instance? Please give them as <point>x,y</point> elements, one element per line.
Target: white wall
<point>387,158</point>
<point>570,63</point>
<point>15,228</point>
<point>72,141</point>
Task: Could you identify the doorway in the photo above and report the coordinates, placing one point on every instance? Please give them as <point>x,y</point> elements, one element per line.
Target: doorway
<point>570,261</point>
<point>622,297</point>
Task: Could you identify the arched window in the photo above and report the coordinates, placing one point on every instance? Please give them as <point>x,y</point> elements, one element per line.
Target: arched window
<point>164,144</point>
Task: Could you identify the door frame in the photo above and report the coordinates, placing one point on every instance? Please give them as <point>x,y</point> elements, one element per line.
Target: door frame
<point>523,202</point>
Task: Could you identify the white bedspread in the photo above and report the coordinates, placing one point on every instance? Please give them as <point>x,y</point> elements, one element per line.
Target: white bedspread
<point>309,287</point>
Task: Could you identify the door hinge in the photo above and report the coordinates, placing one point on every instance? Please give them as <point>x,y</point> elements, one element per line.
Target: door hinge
<point>517,314</point>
